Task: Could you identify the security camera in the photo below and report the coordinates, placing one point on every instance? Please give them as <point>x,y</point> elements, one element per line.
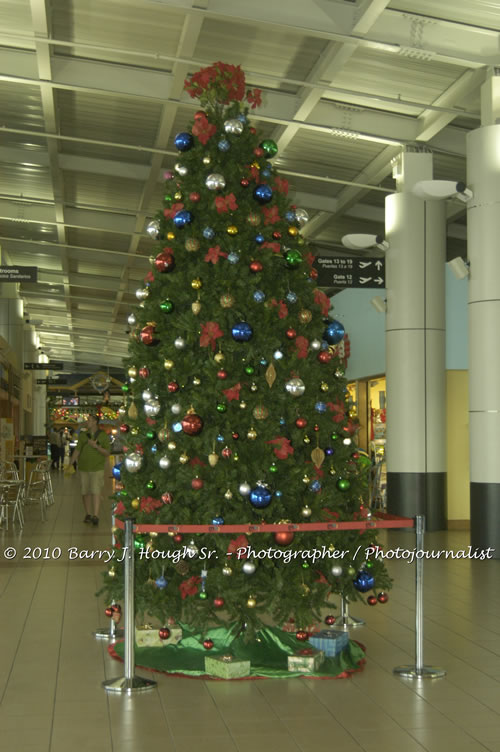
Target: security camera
<point>435,190</point>
<point>362,241</point>
<point>459,267</point>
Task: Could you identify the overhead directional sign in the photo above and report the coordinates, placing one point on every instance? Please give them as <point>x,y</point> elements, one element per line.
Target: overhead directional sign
<point>52,365</point>
<point>343,271</point>
<point>18,273</point>
<point>52,382</point>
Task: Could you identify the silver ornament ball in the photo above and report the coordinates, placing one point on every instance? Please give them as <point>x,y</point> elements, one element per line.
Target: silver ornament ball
<point>244,489</point>
<point>295,387</point>
<point>142,293</point>
<point>180,343</point>
<point>215,182</point>
<point>249,567</point>
<point>164,462</point>
<point>133,462</point>
<point>132,321</point>
<point>147,395</point>
<point>336,570</point>
<point>233,126</point>
<point>180,169</point>
<point>152,407</point>
<point>315,344</point>
<point>176,408</point>
<point>301,216</point>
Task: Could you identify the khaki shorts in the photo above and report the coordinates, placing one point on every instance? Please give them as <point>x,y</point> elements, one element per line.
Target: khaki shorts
<point>92,483</point>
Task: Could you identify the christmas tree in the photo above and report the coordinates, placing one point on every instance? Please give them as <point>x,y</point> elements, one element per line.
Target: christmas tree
<point>236,408</point>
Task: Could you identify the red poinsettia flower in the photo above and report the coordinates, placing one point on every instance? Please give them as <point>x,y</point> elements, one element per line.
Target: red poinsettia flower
<point>322,300</point>
<point>302,345</point>
<point>226,203</point>
<point>309,258</point>
<point>271,215</point>
<point>338,410</point>
<point>119,509</point>
<point>281,185</point>
<point>275,247</point>
<point>233,393</point>
<point>214,254</point>
<point>203,129</point>
<point>254,173</point>
<point>149,277</point>
<point>189,587</point>
<point>170,213</point>
<point>283,447</point>
<point>234,545</point>
<point>210,332</point>
<point>148,504</point>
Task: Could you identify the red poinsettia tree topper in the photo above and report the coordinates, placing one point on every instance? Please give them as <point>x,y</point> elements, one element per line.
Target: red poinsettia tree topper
<point>221,83</point>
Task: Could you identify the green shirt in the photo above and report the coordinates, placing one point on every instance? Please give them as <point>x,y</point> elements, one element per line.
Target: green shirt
<point>90,460</point>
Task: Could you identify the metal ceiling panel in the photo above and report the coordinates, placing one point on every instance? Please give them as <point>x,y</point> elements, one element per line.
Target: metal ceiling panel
<point>16,17</point>
<point>28,180</point>
<point>21,107</point>
<point>82,188</point>
<point>474,12</point>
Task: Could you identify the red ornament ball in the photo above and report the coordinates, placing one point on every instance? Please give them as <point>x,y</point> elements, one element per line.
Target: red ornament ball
<point>226,453</point>
<point>173,387</point>
<point>197,483</point>
<point>255,267</point>
<point>124,428</point>
<point>109,612</point>
<point>252,130</point>
<point>164,633</point>
<point>178,538</point>
<point>192,424</point>
<point>330,620</point>
<point>291,333</point>
<point>164,262</point>
<point>244,183</point>
<point>382,597</point>
<point>324,356</point>
<point>277,235</point>
<point>372,600</point>
<point>208,644</point>
<point>148,335</point>
<point>302,635</point>
<point>301,422</point>
<point>218,602</point>
<point>194,196</point>
<point>222,374</point>
<point>284,538</point>
<point>313,274</point>
<point>235,435</point>
<point>258,152</point>
<point>167,497</point>
<point>144,372</point>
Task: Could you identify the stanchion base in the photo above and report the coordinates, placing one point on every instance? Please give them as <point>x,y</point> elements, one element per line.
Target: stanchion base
<point>128,686</point>
<point>350,622</point>
<point>104,634</point>
<point>426,672</point>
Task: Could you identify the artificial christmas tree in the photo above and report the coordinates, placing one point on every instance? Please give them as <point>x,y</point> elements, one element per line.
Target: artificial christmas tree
<point>236,406</point>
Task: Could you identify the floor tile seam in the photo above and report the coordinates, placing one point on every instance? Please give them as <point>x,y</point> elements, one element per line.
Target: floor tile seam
<point>281,720</point>
<point>471,738</point>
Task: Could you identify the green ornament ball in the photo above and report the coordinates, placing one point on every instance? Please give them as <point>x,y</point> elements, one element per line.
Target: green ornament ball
<point>351,571</point>
<point>305,565</point>
<point>125,388</point>
<point>334,436</point>
<point>249,370</point>
<point>369,565</point>
<point>150,485</point>
<point>150,434</point>
<point>221,407</point>
<point>269,147</point>
<point>167,306</point>
<point>343,484</point>
<point>202,596</point>
<point>167,197</point>
<point>293,259</point>
<point>273,468</point>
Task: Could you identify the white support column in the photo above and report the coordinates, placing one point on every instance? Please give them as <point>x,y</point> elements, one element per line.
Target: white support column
<point>483,233</point>
<point>415,346</point>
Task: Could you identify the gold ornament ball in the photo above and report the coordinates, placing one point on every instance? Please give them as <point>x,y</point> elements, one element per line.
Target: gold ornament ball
<point>111,572</point>
<point>168,364</point>
<point>219,357</point>
<point>305,316</point>
<point>135,503</point>
<point>253,387</point>
<point>306,511</point>
<point>243,404</point>
<point>228,494</point>
<point>153,535</point>
<point>196,307</point>
<point>213,459</point>
<point>227,571</point>
<point>324,386</point>
<point>293,231</point>
<point>196,380</point>
<point>178,196</point>
<point>170,235</point>
<point>196,284</point>
<point>252,434</point>
<point>134,431</point>
<point>232,230</point>
<point>171,445</point>
<point>207,159</point>
<point>332,471</point>
<point>306,440</point>
<point>236,457</point>
<point>256,164</point>
<point>251,602</point>
<point>132,372</point>
<point>183,458</point>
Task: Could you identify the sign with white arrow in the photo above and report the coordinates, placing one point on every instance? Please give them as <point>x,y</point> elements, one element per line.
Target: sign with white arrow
<point>347,271</point>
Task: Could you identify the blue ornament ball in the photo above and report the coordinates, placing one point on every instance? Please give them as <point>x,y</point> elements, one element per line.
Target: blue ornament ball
<point>329,451</point>
<point>233,258</point>
<point>259,238</point>
<point>364,582</point>
<point>315,486</point>
<point>177,427</point>
<point>183,141</point>
<point>320,407</point>
<point>263,194</point>
<point>260,496</point>
<point>161,583</point>
<point>116,471</point>
<point>263,362</point>
<point>208,233</point>
<point>265,173</point>
<point>223,145</point>
<point>290,216</point>
<point>291,297</point>
<point>242,332</point>
<point>220,437</point>
<point>282,422</point>
<point>218,521</point>
<point>183,218</point>
<point>259,296</point>
<point>154,449</point>
<point>334,333</point>
<point>278,494</point>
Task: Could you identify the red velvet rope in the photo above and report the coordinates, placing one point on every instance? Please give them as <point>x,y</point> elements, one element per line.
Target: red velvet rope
<point>388,521</point>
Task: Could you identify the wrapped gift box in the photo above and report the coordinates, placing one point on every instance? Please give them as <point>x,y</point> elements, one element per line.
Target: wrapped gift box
<point>147,636</point>
<point>290,626</point>
<point>226,666</point>
<point>331,641</point>
<point>306,660</point>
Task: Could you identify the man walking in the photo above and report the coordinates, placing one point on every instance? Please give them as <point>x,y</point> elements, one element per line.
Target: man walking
<point>90,453</point>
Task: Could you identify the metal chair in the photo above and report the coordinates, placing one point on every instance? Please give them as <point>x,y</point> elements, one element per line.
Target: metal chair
<point>38,490</point>
<point>11,494</point>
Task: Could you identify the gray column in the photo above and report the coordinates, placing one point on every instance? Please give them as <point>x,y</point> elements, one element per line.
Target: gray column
<point>415,347</point>
<point>483,238</point>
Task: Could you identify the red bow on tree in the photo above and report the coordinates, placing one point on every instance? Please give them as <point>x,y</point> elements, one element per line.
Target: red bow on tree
<point>271,215</point>
<point>322,300</point>
<point>302,345</point>
<point>214,254</point>
<point>170,213</point>
<point>119,509</point>
<point>148,504</point>
<point>254,98</point>
<point>234,545</point>
<point>149,277</point>
<point>281,185</point>
<point>209,334</point>
<point>196,461</point>
<point>329,515</point>
<point>338,410</point>
<point>226,203</point>
<point>189,587</point>
<point>151,421</point>
<point>255,174</point>
<point>283,447</point>
<point>275,247</point>
<point>321,578</point>
<point>202,129</point>
<point>233,393</point>
<point>309,258</point>
<point>282,308</point>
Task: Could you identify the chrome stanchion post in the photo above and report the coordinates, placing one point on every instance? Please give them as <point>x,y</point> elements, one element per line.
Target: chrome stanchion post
<point>112,632</point>
<point>419,671</point>
<point>346,620</point>
<point>129,684</point>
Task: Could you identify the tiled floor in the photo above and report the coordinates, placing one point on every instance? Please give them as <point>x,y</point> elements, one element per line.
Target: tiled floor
<point>51,667</point>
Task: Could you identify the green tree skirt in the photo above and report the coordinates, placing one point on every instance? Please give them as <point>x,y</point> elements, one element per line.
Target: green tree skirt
<point>267,654</point>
